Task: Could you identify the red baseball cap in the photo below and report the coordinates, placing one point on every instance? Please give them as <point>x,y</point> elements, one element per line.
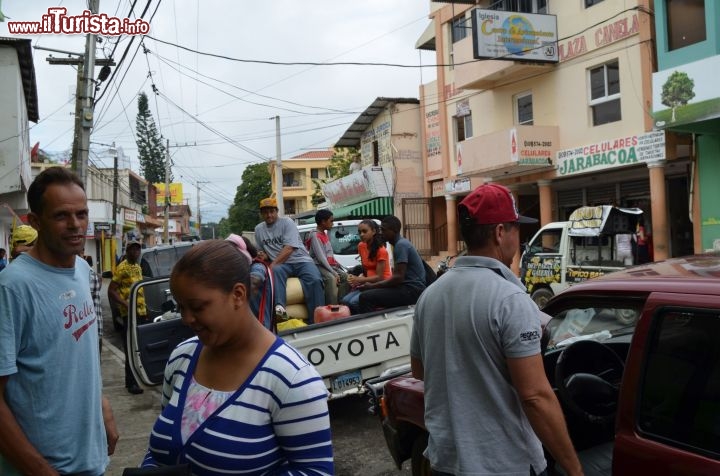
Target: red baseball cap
<point>492,203</point>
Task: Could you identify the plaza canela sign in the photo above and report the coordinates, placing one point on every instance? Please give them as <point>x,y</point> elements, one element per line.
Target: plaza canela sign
<point>612,153</point>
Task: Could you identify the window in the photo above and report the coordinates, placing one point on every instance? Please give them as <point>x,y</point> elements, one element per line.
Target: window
<point>315,173</point>
<point>683,410</point>
<point>524,109</point>
<point>463,127</point>
<point>547,242</point>
<point>605,93</point>
<point>525,6</point>
<point>532,6</point>
<point>590,3</point>
<point>459,29</point>
<point>685,23</point>
<point>376,153</point>
<point>288,179</point>
<point>589,317</point>
<point>289,206</point>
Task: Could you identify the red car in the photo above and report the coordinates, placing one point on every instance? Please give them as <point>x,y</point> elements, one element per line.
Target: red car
<point>635,361</point>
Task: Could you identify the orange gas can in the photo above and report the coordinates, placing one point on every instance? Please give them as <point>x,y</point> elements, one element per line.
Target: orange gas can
<point>330,312</point>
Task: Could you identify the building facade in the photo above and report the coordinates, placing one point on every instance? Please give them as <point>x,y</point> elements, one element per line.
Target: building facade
<point>301,179</point>
<point>552,99</point>
<point>18,96</point>
<point>390,178</point>
<point>686,103</point>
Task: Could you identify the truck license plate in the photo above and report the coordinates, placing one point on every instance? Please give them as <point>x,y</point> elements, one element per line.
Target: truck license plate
<point>346,381</point>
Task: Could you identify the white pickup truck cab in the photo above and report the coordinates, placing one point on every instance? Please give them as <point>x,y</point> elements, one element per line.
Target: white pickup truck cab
<point>563,253</point>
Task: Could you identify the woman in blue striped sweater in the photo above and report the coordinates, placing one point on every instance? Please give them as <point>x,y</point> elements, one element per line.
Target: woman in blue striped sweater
<point>236,398</point>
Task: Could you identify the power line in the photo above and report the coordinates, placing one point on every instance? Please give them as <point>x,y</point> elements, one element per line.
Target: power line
<point>331,110</point>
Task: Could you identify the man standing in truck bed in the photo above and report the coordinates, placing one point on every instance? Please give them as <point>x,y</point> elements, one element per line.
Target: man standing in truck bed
<point>477,328</point>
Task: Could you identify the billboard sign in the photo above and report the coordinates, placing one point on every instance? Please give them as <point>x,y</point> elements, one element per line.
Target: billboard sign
<point>514,36</point>
<point>610,154</point>
<point>176,194</point>
<point>686,93</point>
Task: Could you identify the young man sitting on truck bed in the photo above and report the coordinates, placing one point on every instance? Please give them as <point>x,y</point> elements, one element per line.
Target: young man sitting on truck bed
<point>278,242</point>
<point>408,278</point>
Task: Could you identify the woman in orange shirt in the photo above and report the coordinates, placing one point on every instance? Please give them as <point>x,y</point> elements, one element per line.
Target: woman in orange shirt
<point>375,262</point>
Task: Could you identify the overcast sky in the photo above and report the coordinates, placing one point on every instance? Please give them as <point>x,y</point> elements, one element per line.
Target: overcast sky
<point>235,99</point>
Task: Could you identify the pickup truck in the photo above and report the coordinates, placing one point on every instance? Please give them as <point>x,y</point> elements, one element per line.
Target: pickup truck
<point>568,252</point>
<point>346,352</point>
<point>634,360</point>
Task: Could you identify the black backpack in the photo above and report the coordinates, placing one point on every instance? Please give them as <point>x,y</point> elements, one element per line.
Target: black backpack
<point>430,275</point>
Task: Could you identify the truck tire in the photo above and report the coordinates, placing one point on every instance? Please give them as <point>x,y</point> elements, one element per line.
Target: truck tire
<point>419,465</point>
<point>541,296</point>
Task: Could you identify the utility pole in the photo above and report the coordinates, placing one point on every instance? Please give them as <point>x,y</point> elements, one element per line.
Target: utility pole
<point>167,194</point>
<point>113,224</point>
<point>84,95</point>
<point>116,185</point>
<point>278,169</point>
<point>81,144</point>
<point>199,221</point>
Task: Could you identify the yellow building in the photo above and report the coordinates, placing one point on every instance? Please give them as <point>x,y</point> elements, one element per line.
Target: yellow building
<point>299,176</point>
<point>552,99</point>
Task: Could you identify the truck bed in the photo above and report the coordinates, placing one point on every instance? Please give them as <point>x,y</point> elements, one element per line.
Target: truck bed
<point>348,351</point>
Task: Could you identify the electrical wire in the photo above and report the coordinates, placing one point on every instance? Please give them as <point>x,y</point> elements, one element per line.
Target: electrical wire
<point>167,61</point>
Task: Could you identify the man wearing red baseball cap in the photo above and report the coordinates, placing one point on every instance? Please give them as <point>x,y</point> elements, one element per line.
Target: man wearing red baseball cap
<point>477,326</point>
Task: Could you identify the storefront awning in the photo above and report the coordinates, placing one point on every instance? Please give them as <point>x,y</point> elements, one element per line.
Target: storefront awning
<point>427,39</point>
<point>375,208</point>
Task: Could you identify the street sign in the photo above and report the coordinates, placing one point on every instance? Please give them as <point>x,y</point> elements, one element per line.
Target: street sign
<point>101,227</point>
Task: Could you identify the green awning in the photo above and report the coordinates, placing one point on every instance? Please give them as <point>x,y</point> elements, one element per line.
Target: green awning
<point>375,208</point>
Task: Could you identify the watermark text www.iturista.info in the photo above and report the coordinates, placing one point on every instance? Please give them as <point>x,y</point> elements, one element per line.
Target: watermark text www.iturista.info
<point>57,21</point>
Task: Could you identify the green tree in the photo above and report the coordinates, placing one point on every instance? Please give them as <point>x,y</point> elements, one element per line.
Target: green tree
<point>340,162</point>
<point>243,214</point>
<point>223,228</point>
<point>677,91</point>
<point>151,150</point>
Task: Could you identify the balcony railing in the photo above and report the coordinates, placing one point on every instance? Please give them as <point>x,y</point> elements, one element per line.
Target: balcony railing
<point>293,184</point>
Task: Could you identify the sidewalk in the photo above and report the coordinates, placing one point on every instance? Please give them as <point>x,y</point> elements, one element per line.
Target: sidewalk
<point>134,414</point>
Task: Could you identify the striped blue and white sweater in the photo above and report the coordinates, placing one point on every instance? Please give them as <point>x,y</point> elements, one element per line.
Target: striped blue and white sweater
<point>276,423</point>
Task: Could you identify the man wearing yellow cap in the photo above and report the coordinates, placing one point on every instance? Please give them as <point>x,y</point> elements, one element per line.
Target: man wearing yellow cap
<point>278,238</point>
<point>23,238</point>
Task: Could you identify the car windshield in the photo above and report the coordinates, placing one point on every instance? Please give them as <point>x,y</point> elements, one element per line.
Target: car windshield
<point>344,239</point>
<point>592,323</point>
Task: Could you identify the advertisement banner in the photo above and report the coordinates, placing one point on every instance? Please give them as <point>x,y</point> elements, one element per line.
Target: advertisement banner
<point>610,154</point>
<point>359,186</point>
<point>176,194</point>
<point>686,93</point>
<point>514,36</point>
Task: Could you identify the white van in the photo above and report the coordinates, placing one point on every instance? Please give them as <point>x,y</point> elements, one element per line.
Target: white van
<point>344,238</point>
<point>568,252</point>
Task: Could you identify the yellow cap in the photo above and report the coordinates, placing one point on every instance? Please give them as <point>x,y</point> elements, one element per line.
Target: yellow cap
<point>24,235</point>
<point>268,203</point>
